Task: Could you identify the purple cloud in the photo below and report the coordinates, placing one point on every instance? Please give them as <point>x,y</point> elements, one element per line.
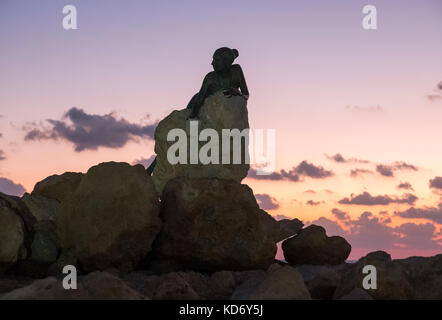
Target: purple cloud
<point>368,200</point>
<point>8,186</point>
<point>90,131</point>
<point>266,202</point>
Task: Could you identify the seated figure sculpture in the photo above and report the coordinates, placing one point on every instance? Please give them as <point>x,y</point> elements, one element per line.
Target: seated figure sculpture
<point>226,76</point>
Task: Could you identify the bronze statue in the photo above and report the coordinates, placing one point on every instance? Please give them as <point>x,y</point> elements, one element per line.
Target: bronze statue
<point>226,75</point>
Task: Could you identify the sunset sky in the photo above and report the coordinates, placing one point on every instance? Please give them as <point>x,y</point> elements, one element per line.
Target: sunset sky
<point>357,113</point>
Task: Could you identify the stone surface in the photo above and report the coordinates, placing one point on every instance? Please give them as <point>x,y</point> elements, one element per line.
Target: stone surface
<point>392,280</point>
<point>45,244</point>
<point>40,207</point>
<point>58,187</point>
<point>218,112</point>
<point>94,286</point>
<point>279,283</point>
<point>112,217</point>
<point>312,246</point>
<point>12,237</point>
<point>204,231</point>
<point>171,286</point>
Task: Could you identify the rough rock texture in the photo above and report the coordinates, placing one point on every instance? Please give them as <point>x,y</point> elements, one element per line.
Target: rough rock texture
<point>12,237</point>
<point>279,283</point>
<point>172,286</point>
<point>425,276</point>
<point>218,112</point>
<point>58,187</point>
<point>112,217</point>
<point>312,246</point>
<point>204,231</point>
<point>45,245</point>
<point>40,207</point>
<point>392,280</point>
<point>94,286</point>
<point>289,228</point>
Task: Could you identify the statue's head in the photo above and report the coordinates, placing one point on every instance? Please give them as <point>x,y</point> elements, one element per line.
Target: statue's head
<point>223,58</point>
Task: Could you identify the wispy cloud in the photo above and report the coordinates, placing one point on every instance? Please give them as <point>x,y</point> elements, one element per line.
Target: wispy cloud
<point>302,170</point>
<point>367,199</point>
<point>388,170</point>
<point>429,213</point>
<point>340,159</point>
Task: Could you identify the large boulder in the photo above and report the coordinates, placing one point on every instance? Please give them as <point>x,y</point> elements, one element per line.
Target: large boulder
<point>58,187</point>
<point>313,246</point>
<point>112,217</point>
<point>214,224</point>
<point>94,286</point>
<point>218,112</point>
<point>12,236</point>
<point>279,283</point>
<point>42,208</point>
<point>424,275</point>
<point>392,281</point>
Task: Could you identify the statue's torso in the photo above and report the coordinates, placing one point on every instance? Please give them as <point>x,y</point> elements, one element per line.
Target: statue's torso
<point>219,81</point>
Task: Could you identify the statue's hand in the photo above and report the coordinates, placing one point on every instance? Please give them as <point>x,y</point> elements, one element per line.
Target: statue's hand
<point>231,92</point>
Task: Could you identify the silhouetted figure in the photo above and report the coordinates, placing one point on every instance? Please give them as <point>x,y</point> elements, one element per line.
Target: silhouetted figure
<point>226,75</point>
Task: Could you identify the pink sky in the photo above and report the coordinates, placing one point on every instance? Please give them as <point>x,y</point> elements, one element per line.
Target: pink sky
<point>315,76</point>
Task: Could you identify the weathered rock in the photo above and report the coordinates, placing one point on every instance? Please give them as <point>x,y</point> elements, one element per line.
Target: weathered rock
<point>213,224</point>
<point>321,281</point>
<point>392,282</point>
<point>218,112</point>
<point>312,246</point>
<point>112,217</point>
<point>58,187</point>
<point>289,228</point>
<point>12,236</point>
<point>424,275</point>
<point>20,209</point>
<point>222,285</point>
<point>40,207</point>
<point>94,286</point>
<point>279,283</point>
<point>172,286</point>
<point>45,245</point>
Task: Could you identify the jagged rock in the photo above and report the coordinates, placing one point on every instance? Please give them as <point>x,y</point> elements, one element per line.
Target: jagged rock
<point>213,224</point>
<point>392,281</point>
<point>279,283</point>
<point>40,207</point>
<point>58,187</point>
<point>312,246</point>
<point>218,112</point>
<point>12,236</point>
<point>94,286</point>
<point>112,217</point>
